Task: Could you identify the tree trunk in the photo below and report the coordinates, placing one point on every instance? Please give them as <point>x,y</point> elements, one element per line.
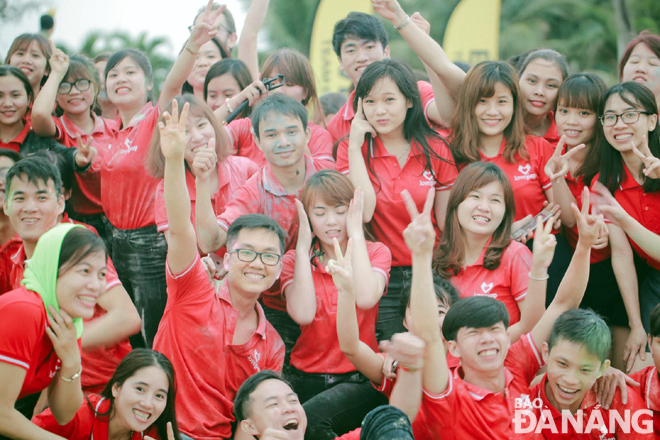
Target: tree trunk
<point>624,26</point>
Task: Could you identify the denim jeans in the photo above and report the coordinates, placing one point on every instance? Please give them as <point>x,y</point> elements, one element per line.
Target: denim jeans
<point>389,319</point>
<point>100,223</point>
<point>139,257</point>
<point>334,403</point>
<point>386,423</point>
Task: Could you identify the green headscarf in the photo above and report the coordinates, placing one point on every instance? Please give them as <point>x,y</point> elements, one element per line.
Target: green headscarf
<point>41,270</point>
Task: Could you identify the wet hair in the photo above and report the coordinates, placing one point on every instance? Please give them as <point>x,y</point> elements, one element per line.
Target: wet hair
<point>360,26</point>
<point>76,246</point>
<point>444,291</point>
<point>242,404</point>
<point>416,128</point>
<point>155,162</point>
<point>23,41</point>
<point>651,41</point>
<point>35,169</point>
<point>655,322</point>
<point>255,221</point>
<point>81,67</point>
<point>480,83</point>
<point>549,55</point>
<point>134,361</point>
<point>63,166</point>
<point>11,154</point>
<point>332,102</point>
<point>140,59</point>
<point>607,160</point>
<point>280,104</point>
<point>449,255</point>
<point>14,71</point>
<point>583,327</point>
<point>474,312</point>
<point>238,70</point>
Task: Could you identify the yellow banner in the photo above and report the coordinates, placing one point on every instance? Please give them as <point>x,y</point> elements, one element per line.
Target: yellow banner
<point>473,31</point>
<point>329,77</point>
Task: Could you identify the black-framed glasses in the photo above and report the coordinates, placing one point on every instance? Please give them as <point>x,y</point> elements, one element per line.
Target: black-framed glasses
<point>629,117</point>
<point>81,85</point>
<point>248,256</point>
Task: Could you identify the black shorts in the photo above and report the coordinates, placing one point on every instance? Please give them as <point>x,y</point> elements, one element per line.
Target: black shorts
<point>603,295</point>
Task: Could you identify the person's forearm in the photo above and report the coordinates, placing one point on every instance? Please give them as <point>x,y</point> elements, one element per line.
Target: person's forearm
<point>113,327</point>
<point>442,109</point>
<point>210,236</point>
<point>407,392</point>
<point>42,109</point>
<point>348,332</point>
<point>301,295</point>
<point>423,305</point>
<point>370,292</point>
<point>13,424</point>
<point>65,398</point>
<point>179,72</point>
<point>359,176</point>
<point>247,43</point>
<point>625,274</point>
<point>533,306</point>
<point>575,279</point>
<point>645,239</point>
<point>177,199</point>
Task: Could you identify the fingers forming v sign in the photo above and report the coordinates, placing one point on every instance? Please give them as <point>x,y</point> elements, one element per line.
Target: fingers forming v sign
<point>590,226</point>
<point>207,24</point>
<point>341,269</point>
<point>173,131</point>
<point>170,433</point>
<point>419,235</point>
<point>558,165</point>
<point>544,241</point>
<point>651,163</point>
<point>86,153</point>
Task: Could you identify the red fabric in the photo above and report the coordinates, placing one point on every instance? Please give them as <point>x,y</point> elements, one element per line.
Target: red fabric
<point>388,179</point>
<point>353,435</point>
<point>6,251</point>
<point>552,135</point>
<point>476,412</point>
<point>127,189</point>
<point>508,283</point>
<point>86,424</point>
<point>196,334</point>
<point>649,387</point>
<point>86,197</point>
<point>15,144</point>
<point>317,348</point>
<point>263,194</point>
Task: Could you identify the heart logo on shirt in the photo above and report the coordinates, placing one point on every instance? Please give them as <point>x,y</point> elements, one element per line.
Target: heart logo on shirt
<point>428,175</point>
<point>524,169</point>
<point>486,287</point>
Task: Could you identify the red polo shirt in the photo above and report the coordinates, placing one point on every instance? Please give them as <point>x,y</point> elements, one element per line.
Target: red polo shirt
<point>508,283</point>
<point>389,179</point>
<point>649,387</point>
<point>317,349</point>
<point>86,197</point>
<point>340,124</point>
<point>320,143</point>
<point>552,135</point>
<point>643,207</point>
<point>6,251</point>
<point>15,144</point>
<point>87,423</point>
<point>127,189</point>
<point>263,194</point>
<point>387,385</point>
<point>196,334</point>
<point>468,411</point>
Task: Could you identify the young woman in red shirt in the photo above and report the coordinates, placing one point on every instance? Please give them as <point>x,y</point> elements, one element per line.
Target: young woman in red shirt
<point>640,62</point>
<point>30,53</point>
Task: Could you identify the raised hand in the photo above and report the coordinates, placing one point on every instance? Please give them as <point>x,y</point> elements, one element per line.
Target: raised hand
<point>86,153</point>
<point>390,10</point>
<point>354,219</point>
<point>590,227</point>
<point>421,23</point>
<point>170,433</point>
<point>544,242</point>
<point>606,385</point>
<point>419,235</point>
<point>407,349</point>
<point>62,334</point>
<point>304,230</point>
<point>206,27</point>
<point>558,165</point>
<point>205,161</point>
<point>607,205</point>
<point>651,163</point>
<point>360,127</point>
<point>341,269</point>
<point>59,64</point>
<point>173,132</point>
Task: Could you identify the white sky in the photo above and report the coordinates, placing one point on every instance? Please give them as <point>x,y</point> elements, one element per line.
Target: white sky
<point>74,19</point>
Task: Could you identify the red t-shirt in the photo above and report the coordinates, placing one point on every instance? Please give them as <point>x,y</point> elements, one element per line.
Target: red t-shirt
<point>320,143</point>
<point>6,251</point>
<point>508,283</point>
<point>127,189</point>
<point>263,194</point>
<point>468,411</point>
<point>591,431</point>
<point>649,387</point>
<point>15,144</point>
<point>340,124</point>
<point>23,339</point>
<point>86,197</point>
<point>389,179</point>
<point>317,349</point>
<point>196,334</point>
<point>552,135</point>
<point>86,424</point>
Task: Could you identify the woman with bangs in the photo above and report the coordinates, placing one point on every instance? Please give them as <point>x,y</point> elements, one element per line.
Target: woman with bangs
<point>30,53</point>
<point>476,252</point>
<point>612,288</point>
<point>226,79</point>
<point>489,126</point>
<point>209,53</point>
<point>331,229</point>
<point>641,62</point>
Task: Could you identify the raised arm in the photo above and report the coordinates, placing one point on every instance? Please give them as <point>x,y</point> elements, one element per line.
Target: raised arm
<point>210,236</point>
<point>182,247</point>
<point>356,167</point>
<point>121,320</point>
<point>247,43</point>
<point>42,109</point>
<point>556,169</point>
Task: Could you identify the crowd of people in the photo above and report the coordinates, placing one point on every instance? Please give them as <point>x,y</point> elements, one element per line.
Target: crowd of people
<point>438,255</point>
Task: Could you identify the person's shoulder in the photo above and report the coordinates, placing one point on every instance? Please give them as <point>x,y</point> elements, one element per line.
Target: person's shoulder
<point>515,249</point>
<point>22,299</point>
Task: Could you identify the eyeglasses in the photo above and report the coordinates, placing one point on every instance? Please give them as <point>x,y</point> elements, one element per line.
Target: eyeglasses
<point>81,85</point>
<point>220,26</point>
<point>629,117</point>
<point>248,256</point>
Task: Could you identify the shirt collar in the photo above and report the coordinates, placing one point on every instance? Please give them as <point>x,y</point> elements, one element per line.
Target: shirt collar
<point>223,293</point>
<point>478,393</point>
<point>273,186</point>
<point>349,113</point>
<point>629,181</point>
<point>138,117</point>
<point>19,257</point>
<point>652,391</point>
<point>72,129</point>
<point>20,137</point>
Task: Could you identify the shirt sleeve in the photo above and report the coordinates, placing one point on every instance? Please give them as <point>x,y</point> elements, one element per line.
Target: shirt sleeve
<point>159,208</point>
<point>335,124</point>
<point>190,288</point>
<point>342,157</point>
<point>381,259</point>
<point>21,332</point>
<point>524,359</point>
<point>244,201</point>
<point>240,131</point>
<point>320,145</point>
<point>544,151</point>
<point>276,352</point>
<point>446,171</point>
<point>111,277</point>
<point>288,267</point>
<point>79,428</point>
<point>426,93</point>
<point>519,267</point>
<point>60,134</point>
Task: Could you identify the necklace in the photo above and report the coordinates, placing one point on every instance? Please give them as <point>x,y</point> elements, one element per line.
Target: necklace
<point>403,154</point>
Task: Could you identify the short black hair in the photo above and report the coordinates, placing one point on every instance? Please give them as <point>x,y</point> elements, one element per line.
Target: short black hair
<point>655,322</point>
<point>64,167</point>
<point>332,102</point>
<point>444,291</point>
<point>280,104</point>
<point>11,154</point>
<point>583,327</point>
<point>35,169</point>
<point>46,22</point>
<point>255,221</point>
<point>474,312</point>
<point>242,399</point>
<point>361,26</point>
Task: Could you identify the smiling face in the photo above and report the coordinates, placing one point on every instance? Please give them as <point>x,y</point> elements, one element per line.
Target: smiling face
<point>14,101</point>
<point>282,139</point>
<point>620,135</point>
<point>572,371</point>
<point>198,133</point>
<point>385,107</point>
<point>539,84</point>
<point>126,84</point>
<point>578,125</point>
<point>356,54</point>
<point>482,211</point>
<point>220,88</point>
<point>140,400</point>
<point>79,286</point>
<point>328,222</point>
<point>77,102</point>
<point>482,350</point>
<point>209,54</point>
<point>494,113</point>
<point>273,404</point>
<point>32,61</point>
<point>643,67</point>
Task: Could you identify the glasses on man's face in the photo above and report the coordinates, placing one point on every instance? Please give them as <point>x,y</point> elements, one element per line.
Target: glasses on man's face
<point>81,84</point>
<point>248,256</point>
<point>629,117</point>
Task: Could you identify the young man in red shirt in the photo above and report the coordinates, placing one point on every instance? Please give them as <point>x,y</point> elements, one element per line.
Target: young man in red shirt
<point>215,336</point>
